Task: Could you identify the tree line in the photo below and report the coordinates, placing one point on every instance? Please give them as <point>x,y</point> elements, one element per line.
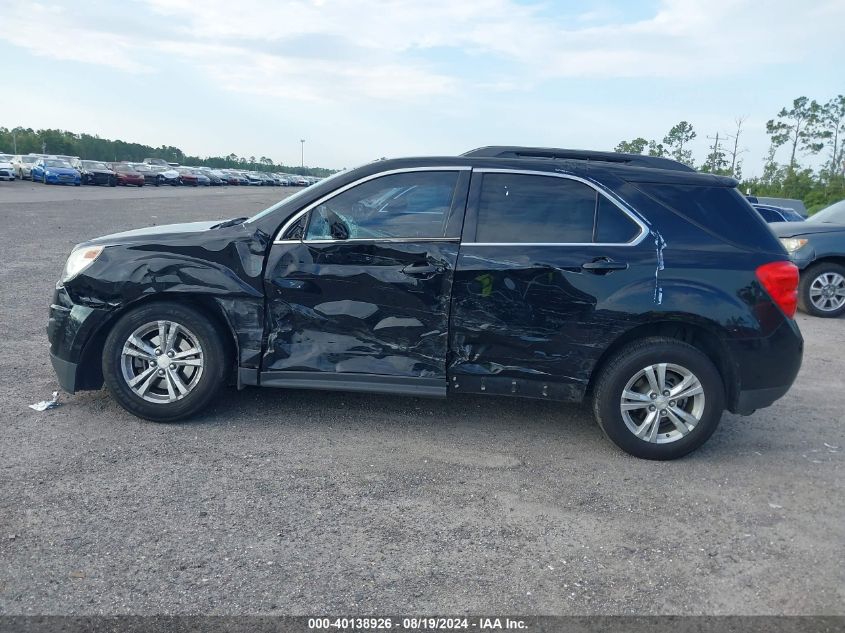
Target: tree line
<point>91,147</point>
<point>804,128</point>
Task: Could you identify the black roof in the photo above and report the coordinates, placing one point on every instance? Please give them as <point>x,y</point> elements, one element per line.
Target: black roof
<point>553,153</point>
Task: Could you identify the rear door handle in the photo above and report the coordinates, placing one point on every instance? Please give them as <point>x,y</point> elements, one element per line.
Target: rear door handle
<point>603,265</point>
<point>421,270</point>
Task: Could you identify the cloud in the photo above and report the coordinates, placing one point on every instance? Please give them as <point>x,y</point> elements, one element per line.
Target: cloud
<point>55,32</point>
<point>398,50</point>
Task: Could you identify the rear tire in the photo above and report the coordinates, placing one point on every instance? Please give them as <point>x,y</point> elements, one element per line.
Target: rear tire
<point>675,421</point>
<point>165,382</point>
<point>820,290</point>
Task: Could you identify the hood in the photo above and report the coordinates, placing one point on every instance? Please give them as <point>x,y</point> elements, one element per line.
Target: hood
<point>5,164</point>
<point>153,233</point>
<point>96,171</point>
<point>61,170</point>
<point>794,229</point>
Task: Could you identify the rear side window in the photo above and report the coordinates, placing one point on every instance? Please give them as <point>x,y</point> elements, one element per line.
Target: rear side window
<point>526,208</point>
<point>720,210</point>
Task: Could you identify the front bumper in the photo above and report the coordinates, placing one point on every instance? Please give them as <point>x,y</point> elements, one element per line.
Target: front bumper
<point>60,179</point>
<point>71,330</point>
<point>7,174</point>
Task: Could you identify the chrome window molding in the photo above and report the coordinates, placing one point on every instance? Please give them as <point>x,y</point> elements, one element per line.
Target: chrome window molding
<point>405,170</point>
<point>644,231</point>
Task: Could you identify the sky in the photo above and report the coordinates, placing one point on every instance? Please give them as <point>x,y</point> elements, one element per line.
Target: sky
<point>363,79</point>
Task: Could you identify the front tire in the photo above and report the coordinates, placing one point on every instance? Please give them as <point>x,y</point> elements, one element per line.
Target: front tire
<point>658,398</point>
<point>821,290</point>
<point>164,361</point>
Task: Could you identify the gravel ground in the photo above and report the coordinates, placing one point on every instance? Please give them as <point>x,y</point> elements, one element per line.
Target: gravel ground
<point>296,502</point>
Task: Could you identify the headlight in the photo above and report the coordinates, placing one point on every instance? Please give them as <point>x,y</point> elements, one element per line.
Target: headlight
<point>48,173</point>
<point>792,244</point>
<point>79,260</point>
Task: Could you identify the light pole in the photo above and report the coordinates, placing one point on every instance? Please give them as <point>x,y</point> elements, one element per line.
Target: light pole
<point>302,154</point>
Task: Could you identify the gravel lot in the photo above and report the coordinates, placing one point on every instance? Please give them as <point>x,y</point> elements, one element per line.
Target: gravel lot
<point>295,502</point>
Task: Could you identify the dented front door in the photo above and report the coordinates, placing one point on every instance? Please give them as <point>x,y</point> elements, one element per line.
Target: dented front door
<point>361,295</point>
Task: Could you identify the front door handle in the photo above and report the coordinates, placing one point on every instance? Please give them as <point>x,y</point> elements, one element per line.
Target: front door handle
<point>421,270</point>
<point>603,265</point>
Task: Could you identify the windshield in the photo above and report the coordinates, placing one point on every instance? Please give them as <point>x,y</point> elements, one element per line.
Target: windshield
<point>92,164</point>
<point>29,159</point>
<point>293,199</point>
<point>56,163</point>
<point>125,169</point>
<point>834,214</point>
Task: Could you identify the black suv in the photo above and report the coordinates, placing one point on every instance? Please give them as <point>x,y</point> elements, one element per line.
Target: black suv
<point>654,290</point>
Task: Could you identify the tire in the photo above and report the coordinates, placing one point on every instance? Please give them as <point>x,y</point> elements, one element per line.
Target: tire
<point>44,179</point>
<point>822,278</point>
<point>112,182</point>
<point>666,440</point>
<point>157,403</point>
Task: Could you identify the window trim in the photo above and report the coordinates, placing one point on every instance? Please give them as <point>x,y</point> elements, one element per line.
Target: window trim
<point>404,170</point>
<point>644,229</point>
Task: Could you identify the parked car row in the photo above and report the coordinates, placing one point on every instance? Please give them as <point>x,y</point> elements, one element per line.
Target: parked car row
<point>71,170</point>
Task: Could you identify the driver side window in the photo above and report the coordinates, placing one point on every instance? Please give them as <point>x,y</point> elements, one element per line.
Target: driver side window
<point>408,205</point>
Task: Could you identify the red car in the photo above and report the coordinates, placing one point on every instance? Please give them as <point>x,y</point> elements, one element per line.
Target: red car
<point>188,177</point>
<point>128,175</point>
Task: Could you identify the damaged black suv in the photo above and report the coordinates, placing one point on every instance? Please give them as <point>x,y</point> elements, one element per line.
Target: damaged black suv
<point>656,291</point>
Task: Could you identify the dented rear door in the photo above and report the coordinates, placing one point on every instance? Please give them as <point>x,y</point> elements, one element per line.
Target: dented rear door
<point>551,270</point>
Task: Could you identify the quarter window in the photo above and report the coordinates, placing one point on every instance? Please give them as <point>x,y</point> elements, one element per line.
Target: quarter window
<point>612,225</point>
<point>546,209</point>
<point>407,205</point>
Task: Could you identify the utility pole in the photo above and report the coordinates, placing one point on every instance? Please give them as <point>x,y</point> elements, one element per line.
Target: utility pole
<point>302,155</point>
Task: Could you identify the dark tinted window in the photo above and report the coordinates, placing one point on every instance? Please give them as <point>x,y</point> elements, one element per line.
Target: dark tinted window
<point>409,205</point>
<point>612,225</point>
<point>720,210</point>
<point>768,214</point>
<point>523,208</point>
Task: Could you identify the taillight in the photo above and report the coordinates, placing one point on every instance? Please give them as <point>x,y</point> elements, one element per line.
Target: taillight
<point>780,279</point>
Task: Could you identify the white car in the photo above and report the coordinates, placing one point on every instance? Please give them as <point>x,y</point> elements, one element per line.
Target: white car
<point>7,170</point>
<point>24,163</point>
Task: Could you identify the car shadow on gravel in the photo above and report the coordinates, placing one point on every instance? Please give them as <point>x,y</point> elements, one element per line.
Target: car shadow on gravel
<point>529,422</point>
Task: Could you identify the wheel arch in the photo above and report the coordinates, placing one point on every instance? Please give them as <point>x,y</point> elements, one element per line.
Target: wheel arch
<point>825,259</point>
<point>90,373</point>
<point>698,333</point>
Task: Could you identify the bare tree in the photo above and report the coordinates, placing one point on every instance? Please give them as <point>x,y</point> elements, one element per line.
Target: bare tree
<point>734,152</point>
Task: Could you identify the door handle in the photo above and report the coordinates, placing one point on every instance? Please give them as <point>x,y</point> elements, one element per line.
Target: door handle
<point>421,270</point>
<point>603,265</point>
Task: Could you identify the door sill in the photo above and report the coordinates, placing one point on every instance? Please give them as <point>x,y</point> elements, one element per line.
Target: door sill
<point>367,383</point>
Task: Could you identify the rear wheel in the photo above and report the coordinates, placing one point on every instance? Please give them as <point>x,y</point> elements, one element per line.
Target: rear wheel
<point>164,362</point>
<point>821,291</point>
<point>659,398</point>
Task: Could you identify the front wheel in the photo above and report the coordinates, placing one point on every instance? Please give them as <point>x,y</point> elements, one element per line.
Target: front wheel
<point>821,291</point>
<point>659,398</point>
<point>164,362</point>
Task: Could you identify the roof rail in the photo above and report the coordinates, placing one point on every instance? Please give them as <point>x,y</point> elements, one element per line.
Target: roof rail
<point>634,160</point>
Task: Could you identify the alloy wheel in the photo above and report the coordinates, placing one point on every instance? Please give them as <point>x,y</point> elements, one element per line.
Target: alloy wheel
<point>162,361</point>
<point>827,292</point>
<point>662,403</point>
